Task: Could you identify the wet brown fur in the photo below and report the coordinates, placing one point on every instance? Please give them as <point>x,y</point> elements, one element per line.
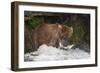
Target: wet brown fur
<point>50,34</point>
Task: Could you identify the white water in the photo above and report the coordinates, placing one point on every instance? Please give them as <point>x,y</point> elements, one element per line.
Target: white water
<point>47,53</point>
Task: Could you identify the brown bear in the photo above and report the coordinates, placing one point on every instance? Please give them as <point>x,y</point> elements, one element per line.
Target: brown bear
<point>51,35</point>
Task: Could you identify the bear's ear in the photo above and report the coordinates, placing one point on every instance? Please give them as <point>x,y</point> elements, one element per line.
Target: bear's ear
<point>59,26</point>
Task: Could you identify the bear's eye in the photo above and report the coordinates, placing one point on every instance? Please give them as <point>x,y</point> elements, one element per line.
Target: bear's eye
<point>64,29</point>
<point>65,37</point>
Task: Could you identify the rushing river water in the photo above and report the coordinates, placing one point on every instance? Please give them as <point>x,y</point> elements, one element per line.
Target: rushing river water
<point>49,53</point>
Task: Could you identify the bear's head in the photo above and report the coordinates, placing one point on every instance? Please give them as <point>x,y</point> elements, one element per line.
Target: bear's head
<point>65,34</point>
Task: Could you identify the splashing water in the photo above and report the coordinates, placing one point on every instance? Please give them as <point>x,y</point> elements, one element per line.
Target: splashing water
<point>49,53</point>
